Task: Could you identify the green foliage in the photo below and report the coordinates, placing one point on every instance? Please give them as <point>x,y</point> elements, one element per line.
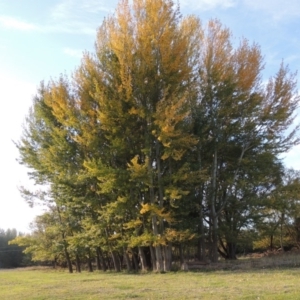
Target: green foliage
<point>165,136</point>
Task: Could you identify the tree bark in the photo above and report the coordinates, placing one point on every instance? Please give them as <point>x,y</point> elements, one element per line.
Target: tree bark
<point>181,254</point>
<point>102,259</point>
<point>158,253</point>
<point>167,257</point>
<point>69,263</point>
<point>142,259</point>
<point>77,263</point>
<point>127,260</point>
<point>231,250</point>
<point>98,264</point>
<point>214,217</point>
<point>201,240</point>
<point>89,261</point>
<point>116,261</point>
<point>153,258</point>
<point>135,263</point>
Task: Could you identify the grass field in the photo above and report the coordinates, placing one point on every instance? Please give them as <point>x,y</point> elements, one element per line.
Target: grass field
<point>242,284</point>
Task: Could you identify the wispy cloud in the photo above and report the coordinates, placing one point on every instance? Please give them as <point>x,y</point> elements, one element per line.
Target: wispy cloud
<point>73,52</point>
<point>277,9</point>
<point>205,5</point>
<point>65,27</point>
<point>68,16</point>
<point>81,16</point>
<point>13,23</point>
<point>75,8</point>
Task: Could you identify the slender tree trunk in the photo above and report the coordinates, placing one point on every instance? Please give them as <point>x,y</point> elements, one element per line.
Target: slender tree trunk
<point>167,257</point>
<point>142,259</point>
<point>201,240</point>
<point>158,253</point>
<point>89,261</point>
<point>181,254</point>
<point>109,262</point>
<point>98,264</point>
<point>271,241</point>
<point>127,260</point>
<point>69,263</point>
<point>54,263</point>
<point>77,263</point>
<point>159,259</point>
<point>102,259</point>
<point>153,257</point>
<point>135,263</point>
<point>281,231</point>
<point>116,261</point>
<point>214,217</point>
<point>70,267</point>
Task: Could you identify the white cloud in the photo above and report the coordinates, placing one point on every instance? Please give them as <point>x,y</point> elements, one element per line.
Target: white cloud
<point>73,52</point>
<point>76,8</point>
<point>278,9</point>
<point>13,23</point>
<point>81,16</point>
<point>205,5</point>
<point>69,16</point>
<point>66,27</point>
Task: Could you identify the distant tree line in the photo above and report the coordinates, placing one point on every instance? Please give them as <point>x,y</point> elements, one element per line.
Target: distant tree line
<point>11,256</point>
<point>163,146</point>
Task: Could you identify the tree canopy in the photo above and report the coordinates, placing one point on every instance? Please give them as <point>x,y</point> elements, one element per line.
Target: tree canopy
<point>167,138</point>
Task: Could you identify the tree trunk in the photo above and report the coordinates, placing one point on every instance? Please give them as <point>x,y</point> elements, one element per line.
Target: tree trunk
<point>271,242</point>
<point>116,261</point>
<point>70,267</point>
<point>98,264</point>
<point>181,254</point>
<point>167,257</point>
<point>142,259</point>
<point>159,259</point>
<point>153,258</point>
<point>214,217</point>
<point>281,231</point>
<point>201,240</point>
<point>231,250</point>
<point>77,263</point>
<point>158,253</point>
<point>102,259</point>
<point>135,263</point>
<point>127,260</point>
<point>54,263</point>
<point>89,261</point>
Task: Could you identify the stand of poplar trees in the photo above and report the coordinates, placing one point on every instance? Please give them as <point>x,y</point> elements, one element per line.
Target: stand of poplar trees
<point>163,146</point>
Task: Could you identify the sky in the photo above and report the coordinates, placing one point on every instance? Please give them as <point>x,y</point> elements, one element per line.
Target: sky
<point>40,40</point>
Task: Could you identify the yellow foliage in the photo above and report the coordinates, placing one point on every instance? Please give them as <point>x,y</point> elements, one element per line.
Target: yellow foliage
<point>122,199</point>
<point>157,211</point>
<point>145,208</point>
<point>133,224</point>
<point>137,170</point>
<point>173,235</point>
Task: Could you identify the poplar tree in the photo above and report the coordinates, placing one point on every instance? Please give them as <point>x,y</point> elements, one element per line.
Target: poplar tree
<point>240,123</point>
<point>145,65</point>
<point>165,134</point>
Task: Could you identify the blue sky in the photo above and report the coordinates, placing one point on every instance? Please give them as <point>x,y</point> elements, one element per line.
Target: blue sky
<point>42,39</point>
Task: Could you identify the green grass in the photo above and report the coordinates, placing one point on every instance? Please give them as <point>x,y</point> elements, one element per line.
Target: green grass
<point>242,284</point>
